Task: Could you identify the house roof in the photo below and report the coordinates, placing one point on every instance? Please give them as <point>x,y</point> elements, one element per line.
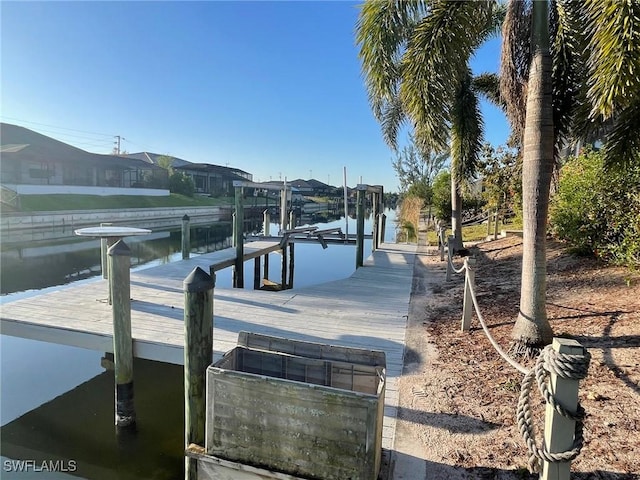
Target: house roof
<point>180,163</point>
<point>23,145</point>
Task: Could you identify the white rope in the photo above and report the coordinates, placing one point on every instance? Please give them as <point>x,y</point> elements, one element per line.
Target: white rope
<point>452,265</point>
<point>511,361</point>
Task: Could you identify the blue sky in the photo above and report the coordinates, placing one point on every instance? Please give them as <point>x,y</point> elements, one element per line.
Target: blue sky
<point>273,88</point>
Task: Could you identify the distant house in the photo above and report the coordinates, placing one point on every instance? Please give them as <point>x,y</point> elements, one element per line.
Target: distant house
<point>208,179</point>
<point>30,158</point>
<point>303,187</point>
<point>321,189</point>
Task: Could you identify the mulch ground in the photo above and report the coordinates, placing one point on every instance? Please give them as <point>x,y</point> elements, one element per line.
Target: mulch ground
<point>461,398</point>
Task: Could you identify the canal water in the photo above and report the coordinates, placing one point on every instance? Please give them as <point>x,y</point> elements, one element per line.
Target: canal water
<point>56,402</point>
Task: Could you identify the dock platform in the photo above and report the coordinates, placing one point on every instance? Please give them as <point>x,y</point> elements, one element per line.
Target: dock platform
<point>368,310</point>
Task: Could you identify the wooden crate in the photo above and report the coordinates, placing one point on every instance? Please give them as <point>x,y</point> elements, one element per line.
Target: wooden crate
<point>298,408</point>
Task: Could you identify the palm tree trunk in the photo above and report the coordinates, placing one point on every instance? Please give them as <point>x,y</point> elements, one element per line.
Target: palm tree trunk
<point>532,329</point>
<point>456,213</point>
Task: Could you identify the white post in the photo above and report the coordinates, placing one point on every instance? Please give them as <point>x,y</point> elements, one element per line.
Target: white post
<point>266,223</point>
<point>467,302</point>
<point>559,430</point>
<point>441,242</point>
<point>450,241</point>
<point>346,204</point>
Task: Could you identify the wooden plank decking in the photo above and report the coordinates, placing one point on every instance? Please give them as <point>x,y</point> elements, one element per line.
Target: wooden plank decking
<point>368,310</point>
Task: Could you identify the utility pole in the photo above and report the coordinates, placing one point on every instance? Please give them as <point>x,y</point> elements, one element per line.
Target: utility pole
<point>117,143</point>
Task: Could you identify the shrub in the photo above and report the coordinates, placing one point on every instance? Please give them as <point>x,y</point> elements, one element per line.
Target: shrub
<point>410,216</point>
<point>597,210</point>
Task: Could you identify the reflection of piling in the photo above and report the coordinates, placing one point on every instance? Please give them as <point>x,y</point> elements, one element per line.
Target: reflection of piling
<point>198,348</point>
<point>186,237</point>
<point>291,265</point>
<point>238,269</point>
<point>360,229</point>
<point>119,264</point>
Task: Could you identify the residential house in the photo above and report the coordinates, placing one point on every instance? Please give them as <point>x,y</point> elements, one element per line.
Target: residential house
<point>208,179</point>
<point>30,158</point>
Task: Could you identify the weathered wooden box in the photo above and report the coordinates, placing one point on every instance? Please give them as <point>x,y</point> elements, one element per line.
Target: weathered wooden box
<point>304,409</point>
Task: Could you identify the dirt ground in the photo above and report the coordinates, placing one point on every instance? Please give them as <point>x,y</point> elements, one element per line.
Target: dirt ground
<point>458,397</point>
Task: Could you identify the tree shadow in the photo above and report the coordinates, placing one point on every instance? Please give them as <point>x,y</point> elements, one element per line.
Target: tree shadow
<point>451,422</point>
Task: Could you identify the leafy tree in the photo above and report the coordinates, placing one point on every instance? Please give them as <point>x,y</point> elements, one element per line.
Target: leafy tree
<point>501,178</point>
<point>416,169</point>
<point>598,212</point>
<point>441,199</point>
<point>182,184</point>
<point>166,162</point>
<point>568,68</point>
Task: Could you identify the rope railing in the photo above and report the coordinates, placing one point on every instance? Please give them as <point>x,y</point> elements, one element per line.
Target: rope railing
<point>558,369</point>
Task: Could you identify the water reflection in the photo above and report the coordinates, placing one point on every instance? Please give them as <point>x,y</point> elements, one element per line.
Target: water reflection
<point>57,402</point>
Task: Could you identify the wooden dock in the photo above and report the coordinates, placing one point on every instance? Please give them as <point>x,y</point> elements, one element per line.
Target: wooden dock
<point>368,310</point>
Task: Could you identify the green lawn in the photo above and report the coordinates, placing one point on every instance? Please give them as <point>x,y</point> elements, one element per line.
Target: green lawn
<point>54,202</point>
<point>474,233</point>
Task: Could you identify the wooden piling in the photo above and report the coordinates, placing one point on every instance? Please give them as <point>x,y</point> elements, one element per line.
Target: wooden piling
<point>119,280</point>
<point>382,227</point>
<point>292,218</point>
<point>256,273</point>
<point>104,246</point>
<point>186,237</point>
<point>374,216</point>
<point>238,269</point>
<point>198,355</point>
<point>291,264</point>
<point>360,228</point>
<point>558,429</point>
<point>266,266</point>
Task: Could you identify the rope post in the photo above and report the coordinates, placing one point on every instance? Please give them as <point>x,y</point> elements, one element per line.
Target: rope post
<point>450,241</point>
<point>469,283</point>
<point>441,242</point>
<point>198,355</point>
<point>186,237</point>
<point>559,430</point>
<point>119,279</point>
<point>266,223</point>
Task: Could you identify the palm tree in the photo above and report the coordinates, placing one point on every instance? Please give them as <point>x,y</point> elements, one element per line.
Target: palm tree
<point>570,67</point>
<point>415,57</point>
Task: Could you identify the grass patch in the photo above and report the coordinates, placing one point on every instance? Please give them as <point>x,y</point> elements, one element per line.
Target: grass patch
<point>56,202</point>
<point>474,233</point>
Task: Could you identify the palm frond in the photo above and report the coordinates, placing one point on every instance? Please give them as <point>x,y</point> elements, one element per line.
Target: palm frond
<point>622,147</point>
<point>515,59</point>
<point>466,131</point>
<point>391,118</point>
<point>382,31</point>
<point>436,58</point>
<point>567,47</point>
<point>614,62</point>
<point>488,84</point>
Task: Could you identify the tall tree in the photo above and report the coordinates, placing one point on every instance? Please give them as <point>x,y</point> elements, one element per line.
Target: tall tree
<point>415,166</point>
<point>569,68</point>
<point>415,58</point>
